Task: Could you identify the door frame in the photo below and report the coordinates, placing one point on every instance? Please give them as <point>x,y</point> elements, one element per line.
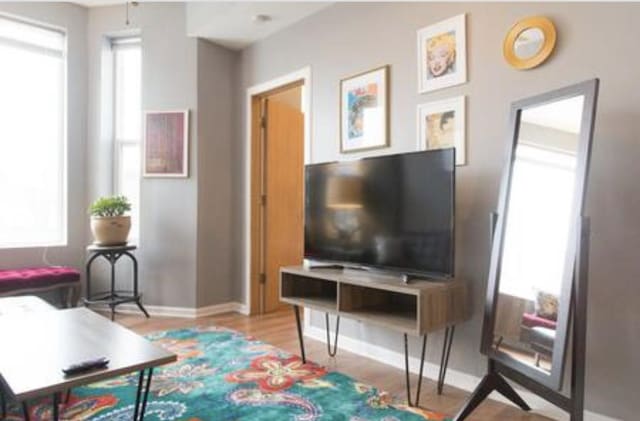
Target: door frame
<point>253,93</point>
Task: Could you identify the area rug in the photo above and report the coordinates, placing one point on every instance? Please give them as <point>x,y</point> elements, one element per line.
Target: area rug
<point>222,375</point>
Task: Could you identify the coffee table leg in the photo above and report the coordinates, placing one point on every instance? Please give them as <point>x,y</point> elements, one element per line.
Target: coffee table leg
<point>56,404</point>
<point>25,411</point>
<point>146,394</point>
<point>3,406</point>
<point>141,406</point>
<point>138,394</point>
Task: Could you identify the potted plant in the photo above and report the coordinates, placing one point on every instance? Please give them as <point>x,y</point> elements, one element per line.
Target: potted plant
<point>109,224</point>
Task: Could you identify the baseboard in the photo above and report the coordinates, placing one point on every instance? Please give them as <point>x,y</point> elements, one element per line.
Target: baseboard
<point>181,312</point>
<point>454,378</point>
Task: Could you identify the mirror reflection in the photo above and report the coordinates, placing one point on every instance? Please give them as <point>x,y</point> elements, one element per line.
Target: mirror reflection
<point>528,43</point>
<point>534,255</point>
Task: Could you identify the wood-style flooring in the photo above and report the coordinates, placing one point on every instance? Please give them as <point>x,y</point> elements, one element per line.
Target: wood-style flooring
<point>279,329</point>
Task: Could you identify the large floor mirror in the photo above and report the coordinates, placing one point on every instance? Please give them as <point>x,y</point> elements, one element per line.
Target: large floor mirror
<point>532,284</point>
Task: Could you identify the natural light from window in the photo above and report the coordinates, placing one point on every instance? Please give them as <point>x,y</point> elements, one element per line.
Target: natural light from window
<point>32,135</point>
<point>538,226</point>
<point>128,116</point>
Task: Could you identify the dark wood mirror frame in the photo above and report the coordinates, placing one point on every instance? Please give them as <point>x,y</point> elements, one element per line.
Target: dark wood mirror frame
<point>574,282</point>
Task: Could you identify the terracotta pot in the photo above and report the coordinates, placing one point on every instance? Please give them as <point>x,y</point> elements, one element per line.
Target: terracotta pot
<point>110,230</point>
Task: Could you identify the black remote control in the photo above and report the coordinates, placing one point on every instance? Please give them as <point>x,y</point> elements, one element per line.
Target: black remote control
<point>85,366</point>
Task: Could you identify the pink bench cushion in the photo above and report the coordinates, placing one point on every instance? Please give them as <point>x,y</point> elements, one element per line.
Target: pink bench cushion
<point>532,320</point>
<point>16,279</point>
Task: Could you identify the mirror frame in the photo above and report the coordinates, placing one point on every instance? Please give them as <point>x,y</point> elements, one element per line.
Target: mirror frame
<point>548,29</point>
<point>553,379</point>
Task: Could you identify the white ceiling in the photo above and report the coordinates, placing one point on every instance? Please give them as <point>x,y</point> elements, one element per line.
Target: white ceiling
<point>232,24</point>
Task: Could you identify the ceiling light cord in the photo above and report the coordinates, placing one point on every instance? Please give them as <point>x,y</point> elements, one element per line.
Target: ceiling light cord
<point>133,3</point>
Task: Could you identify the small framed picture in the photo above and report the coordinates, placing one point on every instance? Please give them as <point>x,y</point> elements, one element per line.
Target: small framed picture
<point>364,111</point>
<point>441,124</point>
<point>442,54</point>
<point>166,144</point>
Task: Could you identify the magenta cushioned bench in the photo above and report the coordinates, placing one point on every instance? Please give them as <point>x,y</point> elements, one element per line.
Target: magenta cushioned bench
<point>33,280</point>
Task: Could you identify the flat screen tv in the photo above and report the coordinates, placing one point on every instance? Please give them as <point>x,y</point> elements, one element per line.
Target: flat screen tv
<point>392,212</point>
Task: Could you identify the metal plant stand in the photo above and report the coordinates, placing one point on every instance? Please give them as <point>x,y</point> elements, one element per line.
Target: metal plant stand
<point>113,297</point>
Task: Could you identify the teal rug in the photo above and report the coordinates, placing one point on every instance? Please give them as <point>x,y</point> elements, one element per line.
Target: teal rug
<point>223,375</point>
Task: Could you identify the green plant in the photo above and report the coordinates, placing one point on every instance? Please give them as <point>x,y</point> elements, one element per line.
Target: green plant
<point>110,206</point>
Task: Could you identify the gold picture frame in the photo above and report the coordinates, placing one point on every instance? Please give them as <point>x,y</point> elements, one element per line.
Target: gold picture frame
<point>535,36</point>
<point>367,138</point>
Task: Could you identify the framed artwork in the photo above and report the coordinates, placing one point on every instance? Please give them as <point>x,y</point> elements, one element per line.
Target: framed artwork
<point>364,111</point>
<point>442,54</point>
<point>441,124</point>
<point>166,144</point>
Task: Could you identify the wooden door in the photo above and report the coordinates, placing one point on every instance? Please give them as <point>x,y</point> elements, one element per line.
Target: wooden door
<point>283,187</point>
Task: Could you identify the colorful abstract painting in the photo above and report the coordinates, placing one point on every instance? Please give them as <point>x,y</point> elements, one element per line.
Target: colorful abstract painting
<point>223,375</point>
<point>360,99</point>
<point>364,111</point>
<point>166,144</point>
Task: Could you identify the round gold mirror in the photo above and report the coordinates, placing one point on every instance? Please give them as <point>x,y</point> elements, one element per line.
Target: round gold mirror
<point>529,42</point>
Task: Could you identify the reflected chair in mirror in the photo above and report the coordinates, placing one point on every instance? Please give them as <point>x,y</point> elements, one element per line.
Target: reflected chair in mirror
<point>537,283</point>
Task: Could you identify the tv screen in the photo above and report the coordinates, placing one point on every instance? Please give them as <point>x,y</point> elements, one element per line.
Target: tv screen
<point>392,212</point>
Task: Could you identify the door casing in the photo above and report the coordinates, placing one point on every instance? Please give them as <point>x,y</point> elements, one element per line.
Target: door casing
<point>253,173</point>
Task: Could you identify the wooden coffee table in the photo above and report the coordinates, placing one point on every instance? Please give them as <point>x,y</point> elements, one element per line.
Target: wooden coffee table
<point>38,345</point>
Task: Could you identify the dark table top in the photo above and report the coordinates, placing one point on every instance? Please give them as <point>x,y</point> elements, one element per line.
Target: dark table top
<point>36,346</point>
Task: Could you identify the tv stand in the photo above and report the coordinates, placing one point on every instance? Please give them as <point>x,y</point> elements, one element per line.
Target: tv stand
<point>418,308</point>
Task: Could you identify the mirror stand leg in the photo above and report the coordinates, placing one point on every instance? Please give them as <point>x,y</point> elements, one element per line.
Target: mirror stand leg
<point>491,382</point>
<point>406,370</point>
<point>332,352</point>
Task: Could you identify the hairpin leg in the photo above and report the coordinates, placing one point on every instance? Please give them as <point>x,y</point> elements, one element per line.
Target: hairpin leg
<point>296,311</point>
<point>406,370</point>
<point>444,360</point>
<point>56,404</point>
<point>332,353</point>
<point>25,410</point>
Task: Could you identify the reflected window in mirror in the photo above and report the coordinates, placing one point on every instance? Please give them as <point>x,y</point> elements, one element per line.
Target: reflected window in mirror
<point>537,229</point>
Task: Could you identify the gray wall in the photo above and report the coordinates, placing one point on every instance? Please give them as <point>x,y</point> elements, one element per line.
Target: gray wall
<point>168,214</point>
<point>73,19</point>
<point>217,79</point>
<point>185,224</point>
<point>594,40</point>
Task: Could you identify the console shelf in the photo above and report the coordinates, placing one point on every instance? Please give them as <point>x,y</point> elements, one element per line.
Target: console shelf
<point>417,308</point>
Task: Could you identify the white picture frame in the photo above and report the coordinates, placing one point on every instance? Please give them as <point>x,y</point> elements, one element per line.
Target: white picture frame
<point>442,124</point>
<point>165,150</point>
<point>364,111</point>
<point>447,64</point>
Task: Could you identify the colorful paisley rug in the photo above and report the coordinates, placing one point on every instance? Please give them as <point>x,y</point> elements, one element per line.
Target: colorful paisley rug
<point>223,375</point>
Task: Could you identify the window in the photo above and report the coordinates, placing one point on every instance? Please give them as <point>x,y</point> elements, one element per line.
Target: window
<point>127,121</point>
<point>33,195</point>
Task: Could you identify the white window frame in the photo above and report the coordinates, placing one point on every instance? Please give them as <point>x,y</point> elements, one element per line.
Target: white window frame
<point>64,147</point>
<point>119,144</point>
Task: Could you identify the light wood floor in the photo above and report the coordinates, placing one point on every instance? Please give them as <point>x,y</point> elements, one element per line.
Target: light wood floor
<point>279,329</point>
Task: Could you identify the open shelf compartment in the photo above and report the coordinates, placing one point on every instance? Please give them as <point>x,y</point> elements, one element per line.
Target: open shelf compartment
<point>315,293</point>
<point>395,310</point>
